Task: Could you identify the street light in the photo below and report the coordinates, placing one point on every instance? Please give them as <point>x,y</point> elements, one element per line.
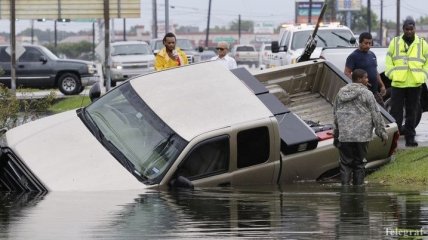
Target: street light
<point>55,29</point>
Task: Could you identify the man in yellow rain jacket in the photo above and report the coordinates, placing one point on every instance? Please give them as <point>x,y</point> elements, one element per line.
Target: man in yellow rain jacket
<point>407,67</point>
<point>170,55</point>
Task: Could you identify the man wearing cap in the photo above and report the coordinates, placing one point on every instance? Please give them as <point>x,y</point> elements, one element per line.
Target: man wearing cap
<point>407,67</point>
<point>222,50</point>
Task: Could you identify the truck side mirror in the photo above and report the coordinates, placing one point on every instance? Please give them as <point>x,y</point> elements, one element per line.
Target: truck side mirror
<point>43,59</point>
<point>274,46</point>
<point>352,40</point>
<point>95,92</point>
<point>200,49</point>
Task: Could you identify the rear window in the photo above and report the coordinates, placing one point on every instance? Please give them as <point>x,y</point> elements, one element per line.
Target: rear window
<point>4,56</point>
<point>245,49</point>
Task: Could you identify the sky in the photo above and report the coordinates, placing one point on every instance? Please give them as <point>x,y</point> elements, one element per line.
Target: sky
<point>194,12</point>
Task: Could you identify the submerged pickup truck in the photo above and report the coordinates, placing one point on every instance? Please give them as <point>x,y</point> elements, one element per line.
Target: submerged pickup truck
<point>199,125</point>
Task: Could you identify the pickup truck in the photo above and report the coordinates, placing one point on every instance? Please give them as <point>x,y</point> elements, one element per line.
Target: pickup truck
<point>199,125</point>
<point>37,67</point>
<point>293,38</point>
<point>128,59</point>
<point>245,54</point>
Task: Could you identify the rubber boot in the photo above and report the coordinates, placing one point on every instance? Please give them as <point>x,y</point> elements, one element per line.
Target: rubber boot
<point>345,174</point>
<point>358,177</point>
<point>410,141</point>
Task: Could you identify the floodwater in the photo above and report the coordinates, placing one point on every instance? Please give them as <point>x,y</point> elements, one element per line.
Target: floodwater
<point>298,211</point>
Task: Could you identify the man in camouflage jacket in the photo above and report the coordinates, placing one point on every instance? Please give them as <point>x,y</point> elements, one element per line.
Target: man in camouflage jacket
<point>355,116</point>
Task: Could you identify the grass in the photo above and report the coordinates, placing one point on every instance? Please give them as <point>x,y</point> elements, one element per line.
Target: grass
<point>410,166</point>
<point>70,103</point>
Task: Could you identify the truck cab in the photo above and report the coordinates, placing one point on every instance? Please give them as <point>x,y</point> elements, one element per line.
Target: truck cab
<point>293,38</point>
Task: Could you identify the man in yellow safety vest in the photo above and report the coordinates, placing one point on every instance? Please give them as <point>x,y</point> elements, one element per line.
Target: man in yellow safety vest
<point>407,67</point>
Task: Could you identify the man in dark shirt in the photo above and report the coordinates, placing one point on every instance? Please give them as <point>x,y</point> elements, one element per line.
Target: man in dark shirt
<point>363,58</point>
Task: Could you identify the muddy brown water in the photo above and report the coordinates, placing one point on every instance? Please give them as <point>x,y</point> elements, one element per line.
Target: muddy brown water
<point>298,211</point>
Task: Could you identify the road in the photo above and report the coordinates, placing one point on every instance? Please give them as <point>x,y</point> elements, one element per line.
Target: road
<point>421,133</point>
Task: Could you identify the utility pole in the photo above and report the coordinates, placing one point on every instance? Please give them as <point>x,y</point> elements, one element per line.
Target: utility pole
<point>398,18</point>
<point>208,23</point>
<point>107,43</point>
<point>310,12</point>
<point>93,40</point>
<point>124,29</point>
<point>369,21</point>
<point>166,16</point>
<point>381,23</point>
<point>55,35</point>
<point>12,46</point>
<point>154,20</point>
<point>32,31</point>
<point>239,28</point>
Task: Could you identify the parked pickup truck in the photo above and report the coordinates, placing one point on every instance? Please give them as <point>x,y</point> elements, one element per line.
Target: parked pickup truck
<point>245,54</point>
<point>130,58</point>
<point>199,125</point>
<point>293,39</point>
<point>37,67</point>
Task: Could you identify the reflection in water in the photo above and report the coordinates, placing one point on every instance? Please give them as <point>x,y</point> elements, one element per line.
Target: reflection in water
<point>301,211</point>
<point>354,216</point>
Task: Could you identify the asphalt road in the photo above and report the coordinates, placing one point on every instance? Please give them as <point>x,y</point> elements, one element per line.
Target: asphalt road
<point>421,133</point>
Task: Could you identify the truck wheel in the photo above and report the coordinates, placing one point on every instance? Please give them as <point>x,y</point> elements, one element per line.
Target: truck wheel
<point>69,84</point>
<point>418,113</point>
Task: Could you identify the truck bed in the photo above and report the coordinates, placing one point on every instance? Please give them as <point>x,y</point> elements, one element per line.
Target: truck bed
<point>311,106</point>
<point>307,91</point>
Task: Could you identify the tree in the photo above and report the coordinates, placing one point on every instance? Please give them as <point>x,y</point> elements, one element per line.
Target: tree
<point>246,26</point>
<point>359,20</point>
<point>71,50</point>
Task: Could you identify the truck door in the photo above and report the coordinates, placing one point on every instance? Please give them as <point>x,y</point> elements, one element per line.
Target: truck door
<point>207,163</point>
<point>31,70</point>
<point>256,156</point>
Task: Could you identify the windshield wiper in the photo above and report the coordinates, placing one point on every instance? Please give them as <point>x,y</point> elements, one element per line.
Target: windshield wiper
<point>322,40</point>
<point>340,36</point>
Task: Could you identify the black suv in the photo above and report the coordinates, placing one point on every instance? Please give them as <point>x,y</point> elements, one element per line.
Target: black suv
<point>37,67</point>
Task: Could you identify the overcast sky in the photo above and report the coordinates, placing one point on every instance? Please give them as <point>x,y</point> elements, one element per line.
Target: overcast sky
<point>194,12</point>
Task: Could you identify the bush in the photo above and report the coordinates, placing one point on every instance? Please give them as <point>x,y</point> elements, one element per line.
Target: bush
<point>15,111</point>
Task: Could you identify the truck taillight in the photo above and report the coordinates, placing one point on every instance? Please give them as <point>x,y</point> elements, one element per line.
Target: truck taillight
<point>394,143</point>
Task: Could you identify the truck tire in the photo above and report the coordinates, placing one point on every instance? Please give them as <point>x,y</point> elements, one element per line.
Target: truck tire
<point>69,84</point>
<point>418,113</point>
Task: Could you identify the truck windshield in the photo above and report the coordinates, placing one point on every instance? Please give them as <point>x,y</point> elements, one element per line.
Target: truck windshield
<point>134,134</point>
<point>325,38</point>
<point>131,49</point>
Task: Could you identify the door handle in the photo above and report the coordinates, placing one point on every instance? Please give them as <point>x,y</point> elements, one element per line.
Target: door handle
<point>21,66</point>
